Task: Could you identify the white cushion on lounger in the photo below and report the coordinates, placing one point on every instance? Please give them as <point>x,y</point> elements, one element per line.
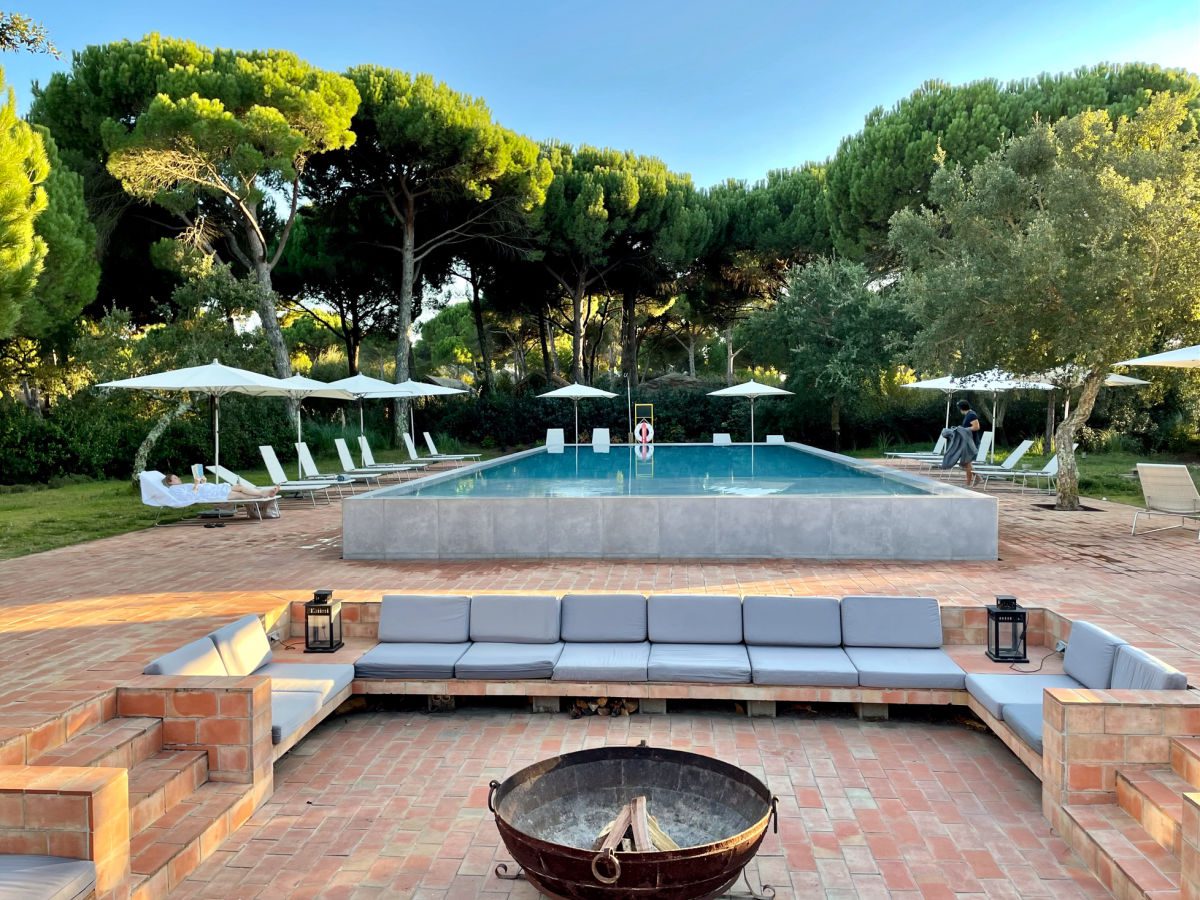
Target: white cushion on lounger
<point>997,692</point>
<point>424,618</point>
<point>821,666</point>
<point>1026,720</point>
<point>779,621</point>
<point>516,619</point>
<point>243,645</point>
<point>616,661</point>
<point>325,679</point>
<point>505,662</point>
<point>597,618</point>
<point>870,621</point>
<point>25,876</point>
<point>200,657</point>
<point>905,667</point>
<point>1091,652</point>
<point>404,661</point>
<point>290,710</point>
<point>706,663</point>
<point>695,618</point>
<point>1137,670</point>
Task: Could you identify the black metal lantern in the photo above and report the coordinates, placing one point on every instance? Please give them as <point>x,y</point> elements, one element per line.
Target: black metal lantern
<point>322,623</point>
<point>1006,627</point>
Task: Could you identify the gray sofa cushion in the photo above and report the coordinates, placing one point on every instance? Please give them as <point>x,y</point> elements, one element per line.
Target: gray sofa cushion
<point>792,621</point>
<point>200,657</point>
<point>404,661</point>
<point>604,618</point>
<point>290,710</point>
<point>26,877</point>
<point>870,621</point>
<point>707,663</point>
<point>424,618</point>
<point>996,693</point>
<point>1090,654</point>
<point>613,661</point>
<point>695,619</point>
<point>905,667</point>
<point>516,619</point>
<point>823,666</point>
<point>504,662</point>
<point>325,679</point>
<point>1137,670</point>
<point>1026,720</point>
<point>243,645</point>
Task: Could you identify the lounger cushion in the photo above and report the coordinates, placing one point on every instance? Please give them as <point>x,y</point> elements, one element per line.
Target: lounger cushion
<point>517,619</point>
<point>200,657</point>
<point>1137,670</point>
<point>825,666</point>
<point>604,617</point>
<point>1091,652</point>
<point>695,618</point>
<point>706,663</point>
<point>995,693</point>
<point>508,661</point>
<point>243,645</point>
<point>891,622</point>
<point>290,710</point>
<point>905,667</point>
<point>612,661</point>
<point>325,679</point>
<point>404,661</point>
<point>792,621</point>
<point>24,876</point>
<point>1026,720</point>
<point>424,618</point>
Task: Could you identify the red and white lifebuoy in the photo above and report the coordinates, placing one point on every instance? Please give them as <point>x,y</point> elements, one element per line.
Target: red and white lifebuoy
<point>644,432</point>
<point>645,452</point>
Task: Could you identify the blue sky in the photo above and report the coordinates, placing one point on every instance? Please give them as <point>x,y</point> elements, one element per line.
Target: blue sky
<point>717,89</point>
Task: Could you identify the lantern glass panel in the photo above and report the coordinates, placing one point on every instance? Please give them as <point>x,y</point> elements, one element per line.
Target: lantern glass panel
<point>1006,634</point>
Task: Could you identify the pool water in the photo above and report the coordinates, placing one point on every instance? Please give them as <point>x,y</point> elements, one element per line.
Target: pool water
<point>673,470</point>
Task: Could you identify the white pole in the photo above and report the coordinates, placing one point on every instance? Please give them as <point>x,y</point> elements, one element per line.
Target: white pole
<point>629,407</point>
<point>992,449</point>
<point>299,438</point>
<point>412,416</point>
<point>752,424</point>
<point>217,435</point>
<point>360,417</point>
<point>576,422</point>
<point>949,394</point>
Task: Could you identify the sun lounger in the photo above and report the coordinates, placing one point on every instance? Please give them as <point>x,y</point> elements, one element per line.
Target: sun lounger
<point>938,446</point>
<point>348,466</point>
<point>1005,468</point>
<point>156,495</point>
<point>433,451</point>
<point>1049,471</point>
<point>286,486</point>
<point>308,466</point>
<point>368,458</point>
<point>1169,491</point>
<point>722,438</point>
<point>556,440</point>
<point>600,440</point>
<point>775,439</point>
<point>412,453</point>
<point>232,477</point>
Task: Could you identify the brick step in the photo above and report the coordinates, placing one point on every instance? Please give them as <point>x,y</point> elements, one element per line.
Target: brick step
<point>174,844</point>
<point>1126,859</point>
<point>1154,797</point>
<point>122,742</point>
<point>1185,759</point>
<point>159,783</point>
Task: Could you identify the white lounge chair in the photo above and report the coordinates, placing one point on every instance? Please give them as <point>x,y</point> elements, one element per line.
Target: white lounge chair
<point>1049,471</point>
<point>722,438</point>
<point>412,454</point>
<point>938,446</point>
<point>349,468</point>
<point>600,440</point>
<point>308,467</point>
<point>287,486</point>
<point>309,488</point>
<point>368,458</point>
<point>775,439</point>
<point>1005,468</point>
<point>433,451</point>
<point>156,495</point>
<point>556,440</point>
<point>1170,491</point>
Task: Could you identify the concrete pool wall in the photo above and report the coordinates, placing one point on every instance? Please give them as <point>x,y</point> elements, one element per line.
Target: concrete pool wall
<point>946,523</point>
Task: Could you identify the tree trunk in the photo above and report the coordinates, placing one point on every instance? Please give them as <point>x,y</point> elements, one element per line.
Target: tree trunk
<point>729,354</point>
<point>545,341</point>
<point>629,343</point>
<point>143,452</point>
<point>835,422</point>
<point>353,341</point>
<point>268,314</point>
<point>485,355</point>
<point>577,331</point>
<point>1051,410</point>
<point>1064,439</point>
<point>404,321</point>
<point>691,349</point>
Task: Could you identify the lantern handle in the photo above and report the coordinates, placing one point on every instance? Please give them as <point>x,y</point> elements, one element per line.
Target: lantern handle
<point>492,785</point>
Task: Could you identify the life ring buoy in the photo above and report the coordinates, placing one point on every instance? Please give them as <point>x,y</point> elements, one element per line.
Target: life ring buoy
<point>645,452</point>
<point>644,432</point>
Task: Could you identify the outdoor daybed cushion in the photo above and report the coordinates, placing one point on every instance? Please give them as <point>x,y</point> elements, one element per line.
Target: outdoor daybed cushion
<point>26,877</point>
<point>403,661</point>
<point>818,666</point>
<point>1091,652</point>
<point>996,693</point>
<point>603,661</point>
<point>695,618</point>
<point>243,645</point>
<point>895,642</point>
<point>1137,670</point>
<point>604,618</point>
<point>200,657</point>
<point>705,663</point>
<point>1025,719</point>
<point>796,640</point>
<point>501,661</point>
<point>290,710</point>
<point>424,619</point>
<point>323,679</point>
<point>516,619</point>
<point>905,667</point>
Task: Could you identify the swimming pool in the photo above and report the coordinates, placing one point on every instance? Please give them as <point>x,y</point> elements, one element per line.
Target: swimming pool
<point>683,501</point>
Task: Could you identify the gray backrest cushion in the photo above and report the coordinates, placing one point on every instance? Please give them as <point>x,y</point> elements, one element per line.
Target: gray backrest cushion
<point>871,621</point>
<point>1090,654</point>
<point>695,618</point>
<point>424,619</point>
<point>200,657</point>
<point>515,619</point>
<point>792,621</point>
<point>609,618</point>
<point>1137,670</point>
<point>243,645</point>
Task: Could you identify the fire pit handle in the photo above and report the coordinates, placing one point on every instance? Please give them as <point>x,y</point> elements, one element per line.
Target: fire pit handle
<point>616,867</point>
<point>492,785</point>
<point>775,814</point>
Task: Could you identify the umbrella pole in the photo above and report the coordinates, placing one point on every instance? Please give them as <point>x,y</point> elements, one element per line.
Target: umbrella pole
<point>361,431</point>
<point>412,417</point>
<point>752,429</point>
<point>217,436</point>
<point>576,423</point>
<point>948,396</point>
<point>299,473</point>
<point>992,449</point>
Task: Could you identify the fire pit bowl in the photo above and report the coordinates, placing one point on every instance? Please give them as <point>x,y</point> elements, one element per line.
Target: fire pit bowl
<point>551,814</point>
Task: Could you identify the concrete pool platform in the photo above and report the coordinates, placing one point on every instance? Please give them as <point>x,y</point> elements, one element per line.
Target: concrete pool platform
<point>937,521</point>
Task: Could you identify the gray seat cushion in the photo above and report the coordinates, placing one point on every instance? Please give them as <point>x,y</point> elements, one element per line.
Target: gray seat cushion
<point>424,618</point>
<point>508,661</point>
<point>822,666</point>
<point>792,621</point>
<point>1026,720</point>
<point>516,619</point>
<point>996,692</point>
<point>325,679</point>
<point>403,661</point>
<point>290,710</point>
<point>26,877</point>
<point>1091,652</point>
<point>604,618</point>
<point>200,657</point>
<point>1137,670</point>
<point>243,645</point>
<point>871,621</point>
<point>695,618</point>
<point>613,661</point>
<point>905,667</point>
<point>706,663</point>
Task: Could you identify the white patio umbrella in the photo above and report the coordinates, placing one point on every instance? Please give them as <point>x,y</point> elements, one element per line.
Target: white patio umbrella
<point>362,386</point>
<point>1071,376</point>
<point>947,384</point>
<point>751,390</point>
<point>1182,358</point>
<point>410,388</point>
<point>299,388</point>
<point>576,392</point>
<point>214,379</point>
<point>997,382</point>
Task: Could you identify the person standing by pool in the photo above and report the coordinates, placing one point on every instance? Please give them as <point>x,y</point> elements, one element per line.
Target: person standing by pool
<point>972,423</point>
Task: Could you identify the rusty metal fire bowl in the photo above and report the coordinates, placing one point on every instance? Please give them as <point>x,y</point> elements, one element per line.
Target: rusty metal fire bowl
<point>550,815</point>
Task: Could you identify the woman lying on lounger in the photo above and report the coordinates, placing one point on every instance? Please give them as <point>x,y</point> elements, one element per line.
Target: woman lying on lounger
<point>215,493</point>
